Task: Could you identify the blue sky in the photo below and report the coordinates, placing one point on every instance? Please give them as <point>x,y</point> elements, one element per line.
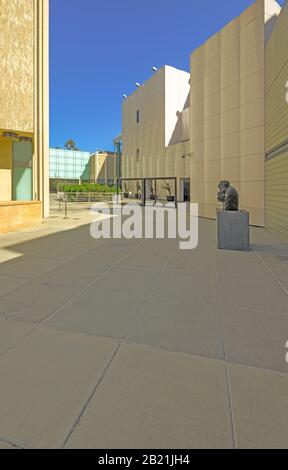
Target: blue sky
<point>99,49</point>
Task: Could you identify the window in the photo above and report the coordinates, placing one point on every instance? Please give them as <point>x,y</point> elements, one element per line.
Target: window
<point>137,155</point>
<point>138,116</point>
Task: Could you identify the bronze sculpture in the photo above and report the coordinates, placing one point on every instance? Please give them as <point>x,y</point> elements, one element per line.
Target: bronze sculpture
<point>228,196</point>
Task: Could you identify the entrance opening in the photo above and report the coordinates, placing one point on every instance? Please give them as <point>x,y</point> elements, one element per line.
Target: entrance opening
<point>148,191</point>
<point>185,189</point>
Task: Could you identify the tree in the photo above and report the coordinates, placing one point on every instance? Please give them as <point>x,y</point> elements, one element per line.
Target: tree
<point>70,145</point>
<point>167,187</point>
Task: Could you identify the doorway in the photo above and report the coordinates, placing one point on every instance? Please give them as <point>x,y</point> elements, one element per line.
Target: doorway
<point>185,189</point>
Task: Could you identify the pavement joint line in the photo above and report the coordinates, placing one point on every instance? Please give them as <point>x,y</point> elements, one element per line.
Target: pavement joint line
<point>13,276</point>
<point>173,351</point>
<point>220,312</point>
<point>15,444</point>
<point>255,310</point>
<point>91,396</point>
<point>16,288</point>
<point>146,298</point>
<point>29,255</point>
<point>6,317</point>
<point>124,340</point>
<point>43,323</point>
<point>210,358</point>
<point>138,268</point>
<point>29,279</point>
<point>39,278</point>
<point>274,275</point>
<point>120,343</point>
<point>177,299</point>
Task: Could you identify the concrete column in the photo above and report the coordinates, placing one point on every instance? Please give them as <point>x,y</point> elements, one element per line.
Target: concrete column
<point>41,103</point>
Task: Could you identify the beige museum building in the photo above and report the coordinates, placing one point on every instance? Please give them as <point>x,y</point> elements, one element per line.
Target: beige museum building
<point>24,116</point>
<point>226,119</point>
<point>276,127</point>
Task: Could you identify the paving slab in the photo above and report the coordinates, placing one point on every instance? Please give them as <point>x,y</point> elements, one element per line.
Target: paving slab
<point>251,293</point>
<point>73,274</point>
<point>284,281</point>
<point>83,270</point>
<point>136,281</point>
<point>144,261</point>
<point>155,399</point>
<point>237,271</point>
<point>260,407</point>
<point>29,267</point>
<point>76,236</point>
<point>256,338</point>
<point>62,252</point>
<point>35,301</point>
<point>11,332</point>
<point>178,325</point>
<point>271,249</point>
<point>99,313</point>
<point>37,247</point>
<point>187,286</point>
<point>159,392</point>
<point>159,247</point>
<point>194,263</point>
<point>8,255</point>
<point>10,283</point>
<point>45,381</point>
<point>260,236</point>
<point>226,256</point>
<point>121,245</point>
<point>280,271</point>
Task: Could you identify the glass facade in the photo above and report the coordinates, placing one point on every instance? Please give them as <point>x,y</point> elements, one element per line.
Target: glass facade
<point>68,164</point>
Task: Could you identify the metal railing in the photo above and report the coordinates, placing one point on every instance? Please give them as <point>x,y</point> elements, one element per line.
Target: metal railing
<point>87,197</point>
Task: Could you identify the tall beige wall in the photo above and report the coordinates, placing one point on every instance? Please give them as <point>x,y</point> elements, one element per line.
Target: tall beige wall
<point>276,84</point>
<point>24,86</point>
<point>227,113</point>
<point>41,103</point>
<point>17,65</point>
<point>221,130</point>
<point>103,167</point>
<point>160,101</point>
<point>276,116</point>
<point>149,135</point>
<point>111,172</point>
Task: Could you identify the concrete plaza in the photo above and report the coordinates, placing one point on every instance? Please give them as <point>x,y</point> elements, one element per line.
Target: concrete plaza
<point>136,344</point>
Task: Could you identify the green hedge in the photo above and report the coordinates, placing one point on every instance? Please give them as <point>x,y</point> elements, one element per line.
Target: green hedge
<point>89,188</point>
